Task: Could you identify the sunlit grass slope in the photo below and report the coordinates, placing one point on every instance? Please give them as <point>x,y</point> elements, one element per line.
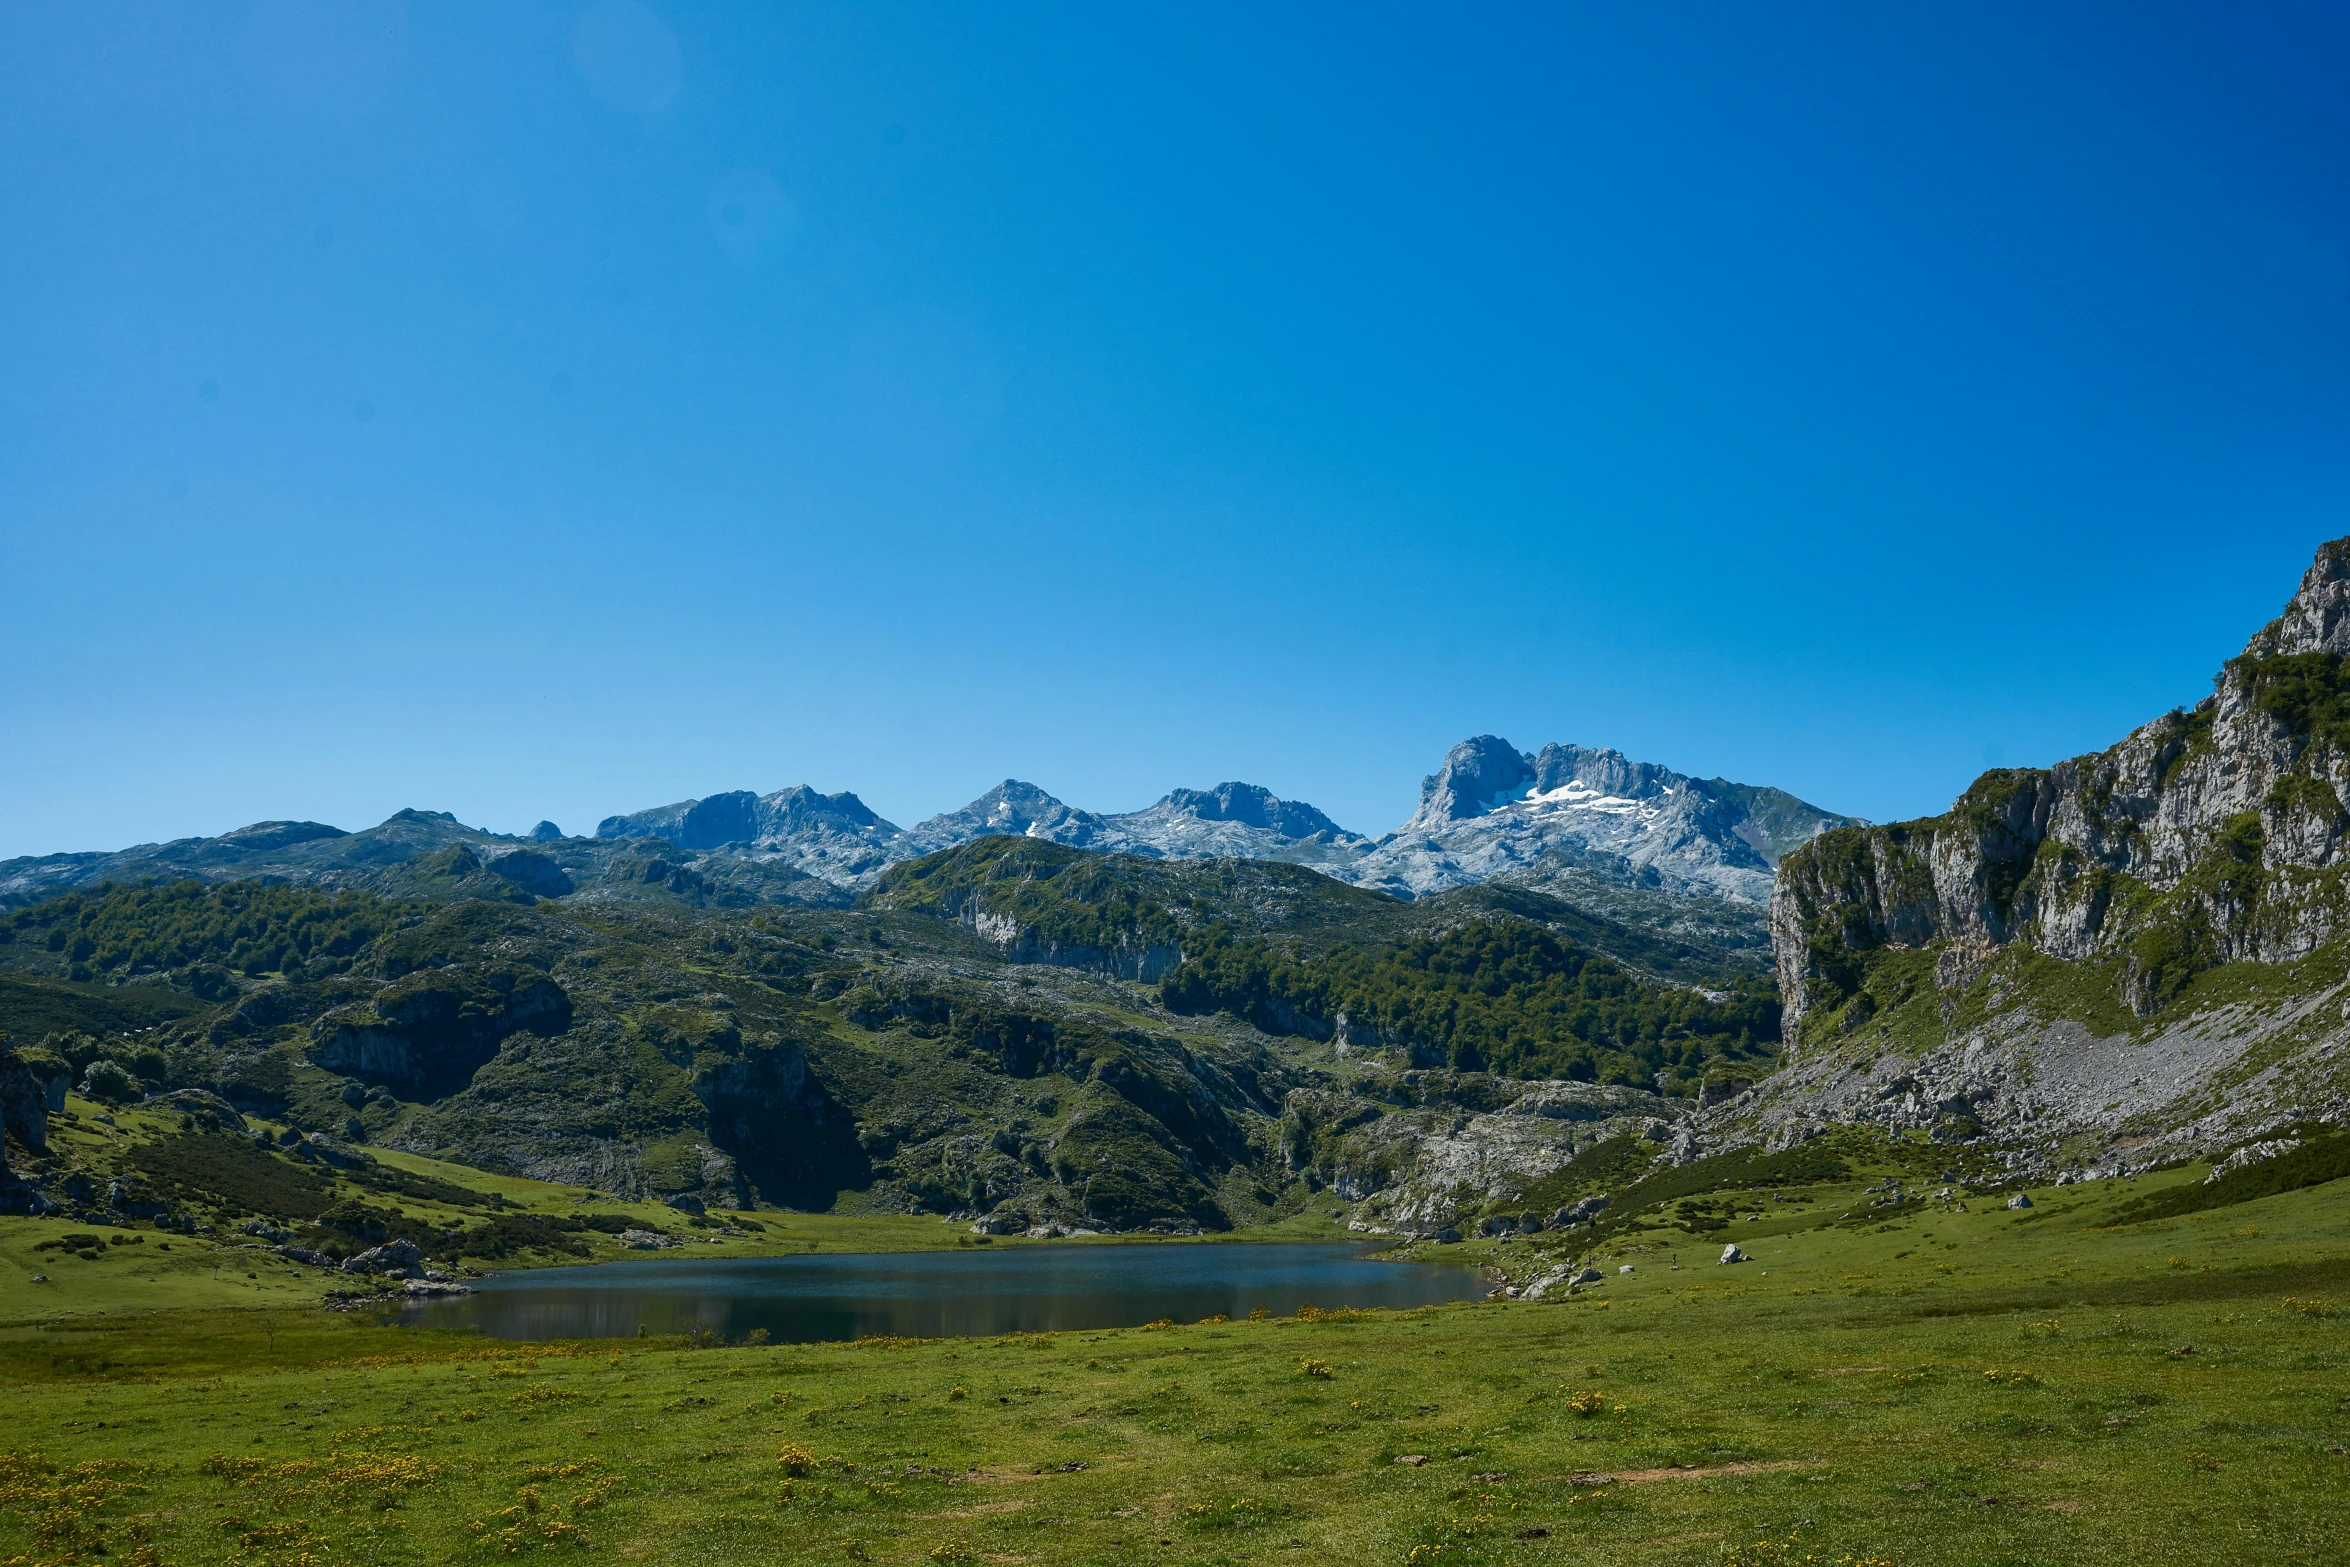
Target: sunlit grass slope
<point>1991,1387</point>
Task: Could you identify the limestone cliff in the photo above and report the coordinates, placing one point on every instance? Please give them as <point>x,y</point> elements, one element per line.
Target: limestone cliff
<point>2137,947</point>
<point>2209,836</point>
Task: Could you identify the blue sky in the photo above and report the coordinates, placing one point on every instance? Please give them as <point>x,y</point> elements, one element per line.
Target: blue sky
<point>551,410</point>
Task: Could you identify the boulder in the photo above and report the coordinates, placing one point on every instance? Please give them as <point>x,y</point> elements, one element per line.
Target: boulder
<point>305,1256</point>
<point>647,1240</point>
<point>1555,1279</point>
<point>2020,1200</point>
<point>1580,1212</point>
<point>1732,1254</point>
<point>399,1259</point>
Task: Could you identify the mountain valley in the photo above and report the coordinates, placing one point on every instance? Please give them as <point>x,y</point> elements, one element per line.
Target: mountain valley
<point>1549,986</point>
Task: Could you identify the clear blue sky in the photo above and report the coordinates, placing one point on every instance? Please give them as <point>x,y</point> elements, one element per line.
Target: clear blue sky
<point>548,410</point>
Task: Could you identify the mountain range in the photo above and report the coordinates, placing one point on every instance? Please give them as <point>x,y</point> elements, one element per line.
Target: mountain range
<point>1555,982</point>
<point>1638,842</point>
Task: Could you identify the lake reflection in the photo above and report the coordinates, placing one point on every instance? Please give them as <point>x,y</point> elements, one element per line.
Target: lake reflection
<point>939,1294</point>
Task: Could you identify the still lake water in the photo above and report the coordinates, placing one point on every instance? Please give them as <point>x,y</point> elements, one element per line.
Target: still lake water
<point>939,1294</point>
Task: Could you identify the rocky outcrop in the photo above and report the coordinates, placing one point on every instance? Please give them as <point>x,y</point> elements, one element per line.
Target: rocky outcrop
<point>399,1259</point>
<point>426,1034</point>
<point>24,1106</point>
<point>533,872</point>
<point>1145,962</point>
<point>1423,1166</point>
<point>2209,836</point>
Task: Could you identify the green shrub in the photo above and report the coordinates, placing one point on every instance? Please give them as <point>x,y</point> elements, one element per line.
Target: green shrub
<point>232,1172</point>
<point>2322,1158</point>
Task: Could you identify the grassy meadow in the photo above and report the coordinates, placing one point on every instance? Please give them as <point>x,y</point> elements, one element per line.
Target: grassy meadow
<point>1985,1387</point>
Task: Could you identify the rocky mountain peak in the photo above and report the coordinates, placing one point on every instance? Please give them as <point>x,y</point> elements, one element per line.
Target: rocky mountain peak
<point>1478,775</point>
<point>791,810</point>
<point>1252,806</point>
<point>1015,806</point>
<point>2318,618</point>
<point>1011,807</point>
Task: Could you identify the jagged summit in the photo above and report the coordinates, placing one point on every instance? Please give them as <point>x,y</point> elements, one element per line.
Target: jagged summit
<point>2318,618</point>
<point>1013,807</point>
<point>1249,806</point>
<point>1589,825</point>
<point>1493,812</point>
<point>1478,775</point>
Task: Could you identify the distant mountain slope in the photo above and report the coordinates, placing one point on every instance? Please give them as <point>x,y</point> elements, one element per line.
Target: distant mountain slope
<point>837,837</point>
<point>431,853</point>
<point>833,836</point>
<point>1634,844</point>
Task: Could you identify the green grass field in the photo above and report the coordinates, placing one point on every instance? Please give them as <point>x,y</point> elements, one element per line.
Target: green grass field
<point>1986,1387</point>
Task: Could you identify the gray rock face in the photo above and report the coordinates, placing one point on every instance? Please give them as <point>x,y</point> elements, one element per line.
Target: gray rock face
<point>1418,1171</point>
<point>24,1106</point>
<point>429,1032</point>
<point>533,872</point>
<point>546,832</point>
<point>1493,813</point>
<point>2231,815</point>
<point>1478,775</point>
<point>1580,1212</point>
<point>1239,821</point>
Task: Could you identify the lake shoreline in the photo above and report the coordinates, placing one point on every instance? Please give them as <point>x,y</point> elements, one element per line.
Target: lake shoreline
<point>815,1297</point>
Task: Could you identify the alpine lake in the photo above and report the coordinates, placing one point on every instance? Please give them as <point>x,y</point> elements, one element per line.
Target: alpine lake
<point>938,1294</point>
